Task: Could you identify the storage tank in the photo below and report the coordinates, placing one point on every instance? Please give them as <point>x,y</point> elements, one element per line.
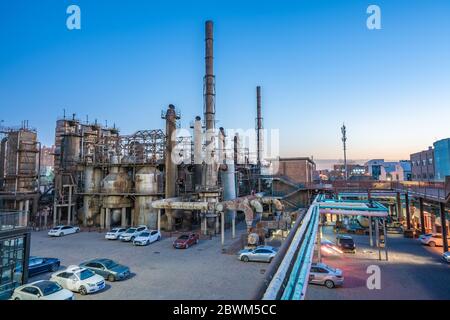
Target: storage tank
<point>91,202</point>
<point>21,161</point>
<point>146,182</point>
<point>114,185</point>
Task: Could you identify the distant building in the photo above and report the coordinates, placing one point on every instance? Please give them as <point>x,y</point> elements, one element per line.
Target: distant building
<point>382,170</point>
<point>299,170</point>
<point>422,165</point>
<point>400,171</point>
<point>353,169</point>
<point>442,159</point>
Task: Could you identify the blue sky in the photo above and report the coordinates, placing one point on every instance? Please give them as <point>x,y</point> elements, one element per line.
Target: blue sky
<point>316,61</point>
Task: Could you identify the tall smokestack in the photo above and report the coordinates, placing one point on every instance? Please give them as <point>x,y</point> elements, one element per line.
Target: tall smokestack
<point>209,107</point>
<point>259,126</point>
<point>170,166</point>
<point>209,85</point>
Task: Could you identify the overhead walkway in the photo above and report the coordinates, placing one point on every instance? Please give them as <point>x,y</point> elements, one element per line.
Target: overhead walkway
<point>290,279</point>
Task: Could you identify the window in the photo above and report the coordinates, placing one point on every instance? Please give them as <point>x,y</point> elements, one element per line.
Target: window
<point>154,232</point>
<point>31,290</point>
<point>65,275</point>
<point>430,161</point>
<point>424,162</point>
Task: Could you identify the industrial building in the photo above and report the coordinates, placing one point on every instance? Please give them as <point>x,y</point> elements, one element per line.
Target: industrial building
<point>157,177</point>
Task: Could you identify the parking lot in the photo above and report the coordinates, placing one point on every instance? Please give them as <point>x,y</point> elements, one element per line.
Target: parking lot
<point>158,270</point>
<point>412,272</point>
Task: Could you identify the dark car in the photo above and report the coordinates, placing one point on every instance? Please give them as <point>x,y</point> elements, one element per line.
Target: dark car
<point>37,265</point>
<point>346,243</point>
<point>107,268</point>
<point>185,241</point>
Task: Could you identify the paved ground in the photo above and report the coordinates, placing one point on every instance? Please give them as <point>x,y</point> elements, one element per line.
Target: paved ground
<point>412,272</point>
<point>159,271</point>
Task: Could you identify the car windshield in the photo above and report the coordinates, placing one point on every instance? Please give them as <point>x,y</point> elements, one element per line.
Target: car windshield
<point>350,241</point>
<point>144,234</point>
<point>85,274</point>
<point>132,230</point>
<point>109,264</point>
<point>183,237</point>
<point>114,230</point>
<point>48,287</point>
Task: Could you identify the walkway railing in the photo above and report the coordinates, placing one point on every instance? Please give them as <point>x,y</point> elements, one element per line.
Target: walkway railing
<point>291,279</point>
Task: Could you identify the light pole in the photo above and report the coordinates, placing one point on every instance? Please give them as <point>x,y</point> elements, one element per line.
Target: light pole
<point>344,141</point>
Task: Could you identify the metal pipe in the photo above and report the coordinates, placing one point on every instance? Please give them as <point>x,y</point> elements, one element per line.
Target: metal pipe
<point>259,126</point>
<point>443,226</point>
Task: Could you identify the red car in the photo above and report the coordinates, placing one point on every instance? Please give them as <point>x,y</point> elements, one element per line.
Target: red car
<point>186,240</point>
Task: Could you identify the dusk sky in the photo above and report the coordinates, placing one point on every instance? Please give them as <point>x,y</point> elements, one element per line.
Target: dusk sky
<point>317,63</point>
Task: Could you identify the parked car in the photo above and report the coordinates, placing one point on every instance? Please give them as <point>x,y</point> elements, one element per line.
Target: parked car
<point>42,290</point>
<point>115,233</point>
<point>329,248</point>
<point>185,241</point>
<point>38,265</point>
<point>79,279</point>
<point>433,239</point>
<point>107,268</point>
<point>147,237</point>
<point>323,274</point>
<point>132,233</point>
<point>60,231</point>
<point>259,254</point>
<point>346,243</point>
<point>446,256</point>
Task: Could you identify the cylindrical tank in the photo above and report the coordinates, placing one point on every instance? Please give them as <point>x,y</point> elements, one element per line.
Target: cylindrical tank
<point>146,183</point>
<point>117,182</point>
<point>198,159</point>
<point>91,205</point>
<point>21,161</point>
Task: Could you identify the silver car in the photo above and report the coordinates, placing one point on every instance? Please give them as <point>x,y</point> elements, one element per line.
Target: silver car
<point>259,254</point>
<point>446,256</point>
<point>323,274</point>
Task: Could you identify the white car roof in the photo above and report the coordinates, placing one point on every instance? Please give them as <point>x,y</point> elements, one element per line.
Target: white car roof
<point>74,268</point>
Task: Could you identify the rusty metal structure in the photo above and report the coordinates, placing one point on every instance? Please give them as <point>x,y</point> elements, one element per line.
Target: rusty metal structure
<point>19,169</point>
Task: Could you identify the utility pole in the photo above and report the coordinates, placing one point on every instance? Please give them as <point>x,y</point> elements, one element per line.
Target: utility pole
<point>344,141</point>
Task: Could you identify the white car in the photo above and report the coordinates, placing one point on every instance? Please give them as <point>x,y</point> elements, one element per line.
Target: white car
<point>433,239</point>
<point>78,279</point>
<point>60,231</point>
<point>115,233</point>
<point>147,237</point>
<point>132,233</point>
<point>446,256</point>
<point>42,290</point>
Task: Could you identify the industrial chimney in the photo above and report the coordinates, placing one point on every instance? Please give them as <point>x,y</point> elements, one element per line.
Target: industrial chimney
<point>259,127</point>
<point>209,108</point>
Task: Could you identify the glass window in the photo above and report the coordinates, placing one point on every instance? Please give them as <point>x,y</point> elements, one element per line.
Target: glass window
<point>31,290</point>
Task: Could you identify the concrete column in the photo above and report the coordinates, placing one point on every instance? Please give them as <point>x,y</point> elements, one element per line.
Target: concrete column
<point>319,243</point>
<point>222,228</point>
<point>233,225</point>
<point>377,237</point>
<point>27,212</point>
<point>385,239</point>
<point>422,216</point>
<point>444,226</point>
<point>370,232</point>
<point>217,224</point>
<point>69,207</point>
<point>55,213</point>
<point>21,213</point>
<point>102,218</point>
<point>399,206</point>
<point>123,220</point>
<point>107,218</point>
<point>408,215</point>
<point>45,220</point>
<point>159,219</point>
